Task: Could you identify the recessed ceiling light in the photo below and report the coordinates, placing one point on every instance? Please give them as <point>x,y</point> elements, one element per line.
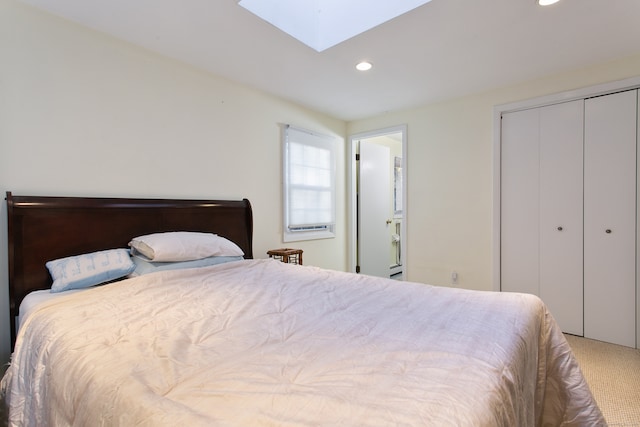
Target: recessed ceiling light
<point>547,2</point>
<point>364,66</point>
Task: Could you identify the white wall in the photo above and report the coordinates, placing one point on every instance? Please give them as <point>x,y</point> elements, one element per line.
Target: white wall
<point>450,174</point>
<point>83,114</point>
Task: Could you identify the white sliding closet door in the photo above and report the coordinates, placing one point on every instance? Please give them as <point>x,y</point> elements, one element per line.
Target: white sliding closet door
<point>520,187</point>
<point>541,208</point>
<point>561,208</point>
<point>610,218</point>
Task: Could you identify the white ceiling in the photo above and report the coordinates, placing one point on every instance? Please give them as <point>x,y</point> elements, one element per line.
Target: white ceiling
<point>441,50</point>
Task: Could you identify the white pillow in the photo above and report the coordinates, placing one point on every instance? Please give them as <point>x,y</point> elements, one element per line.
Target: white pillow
<point>84,271</point>
<point>183,246</point>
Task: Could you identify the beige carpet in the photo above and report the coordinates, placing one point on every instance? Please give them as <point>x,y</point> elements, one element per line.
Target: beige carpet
<point>613,374</point>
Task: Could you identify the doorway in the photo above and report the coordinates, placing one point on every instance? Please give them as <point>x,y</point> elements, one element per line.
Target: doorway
<point>377,200</point>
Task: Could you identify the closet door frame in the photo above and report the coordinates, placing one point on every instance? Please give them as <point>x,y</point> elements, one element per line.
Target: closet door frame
<point>638,226</point>
<point>498,110</point>
<point>583,93</point>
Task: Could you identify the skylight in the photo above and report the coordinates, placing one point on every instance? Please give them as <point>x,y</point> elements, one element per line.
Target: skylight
<point>321,24</point>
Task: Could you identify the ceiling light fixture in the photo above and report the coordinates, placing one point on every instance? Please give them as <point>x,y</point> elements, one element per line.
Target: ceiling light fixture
<point>364,66</point>
<point>547,2</point>
<point>321,24</point>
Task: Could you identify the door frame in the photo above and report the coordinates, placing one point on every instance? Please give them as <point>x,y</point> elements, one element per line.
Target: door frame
<point>352,241</point>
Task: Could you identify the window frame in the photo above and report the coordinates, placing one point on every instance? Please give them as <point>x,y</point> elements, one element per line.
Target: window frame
<point>292,134</point>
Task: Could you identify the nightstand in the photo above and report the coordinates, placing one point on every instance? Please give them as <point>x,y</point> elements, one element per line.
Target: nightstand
<point>288,255</point>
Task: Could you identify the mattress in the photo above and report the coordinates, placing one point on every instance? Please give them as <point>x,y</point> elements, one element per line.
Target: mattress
<point>263,343</point>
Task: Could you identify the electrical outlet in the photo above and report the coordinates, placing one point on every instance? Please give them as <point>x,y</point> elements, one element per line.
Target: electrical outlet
<point>454,277</point>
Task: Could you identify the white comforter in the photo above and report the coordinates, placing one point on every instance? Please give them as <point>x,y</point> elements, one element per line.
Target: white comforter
<point>262,343</point>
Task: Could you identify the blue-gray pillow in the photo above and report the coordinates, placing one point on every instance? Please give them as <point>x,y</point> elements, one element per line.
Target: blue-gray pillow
<point>84,271</point>
<point>144,266</point>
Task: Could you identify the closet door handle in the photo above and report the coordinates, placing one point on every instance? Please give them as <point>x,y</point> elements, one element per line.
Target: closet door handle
<point>560,228</point>
<point>608,231</point>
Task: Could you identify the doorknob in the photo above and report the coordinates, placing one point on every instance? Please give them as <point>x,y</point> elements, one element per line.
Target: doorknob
<point>389,221</point>
<point>560,228</point>
<point>608,231</point>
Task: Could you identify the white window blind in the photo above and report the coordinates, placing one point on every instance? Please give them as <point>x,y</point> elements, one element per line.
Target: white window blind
<point>309,179</point>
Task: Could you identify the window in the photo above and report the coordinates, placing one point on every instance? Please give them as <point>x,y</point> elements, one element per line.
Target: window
<point>309,185</point>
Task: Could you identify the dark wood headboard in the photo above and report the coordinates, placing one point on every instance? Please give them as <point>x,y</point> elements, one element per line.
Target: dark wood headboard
<point>46,228</point>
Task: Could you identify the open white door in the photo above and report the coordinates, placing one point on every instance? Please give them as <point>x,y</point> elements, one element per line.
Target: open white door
<point>374,209</point>
<point>370,251</point>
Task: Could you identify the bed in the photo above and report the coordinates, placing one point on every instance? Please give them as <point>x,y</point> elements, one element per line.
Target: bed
<point>259,342</point>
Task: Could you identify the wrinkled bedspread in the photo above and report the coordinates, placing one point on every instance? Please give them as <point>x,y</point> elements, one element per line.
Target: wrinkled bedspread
<point>263,343</point>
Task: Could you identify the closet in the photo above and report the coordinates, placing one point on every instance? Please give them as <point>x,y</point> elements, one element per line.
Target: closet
<point>568,211</point>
